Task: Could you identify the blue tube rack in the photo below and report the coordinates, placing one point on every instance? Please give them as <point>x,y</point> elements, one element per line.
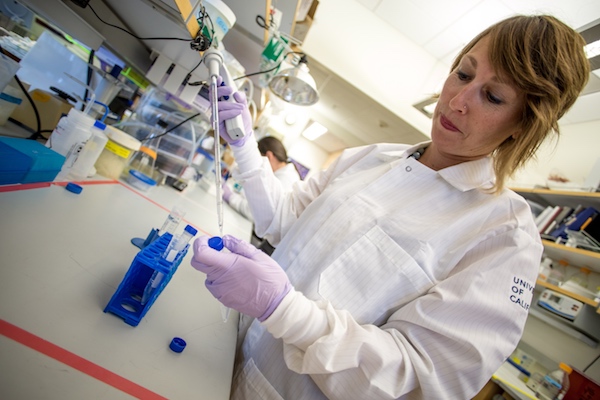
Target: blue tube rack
<point>126,302</point>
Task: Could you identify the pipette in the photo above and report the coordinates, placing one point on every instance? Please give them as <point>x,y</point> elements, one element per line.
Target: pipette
<point>218,178</point>
<point>213,59</point>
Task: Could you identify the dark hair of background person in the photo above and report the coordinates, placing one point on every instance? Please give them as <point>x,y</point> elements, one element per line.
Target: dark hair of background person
<point>274,145</point>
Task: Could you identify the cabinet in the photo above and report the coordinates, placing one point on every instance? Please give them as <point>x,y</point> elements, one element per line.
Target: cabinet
<point>574,256</point>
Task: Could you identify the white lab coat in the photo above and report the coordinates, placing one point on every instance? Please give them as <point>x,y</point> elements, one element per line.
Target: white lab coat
<point>287,175</point>
<point>409,283</point>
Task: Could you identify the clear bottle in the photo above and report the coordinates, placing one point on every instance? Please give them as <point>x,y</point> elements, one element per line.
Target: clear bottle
<point>555,384</point>
<point>558,273</point>
<point>143,161</point>
<point>582,277</point>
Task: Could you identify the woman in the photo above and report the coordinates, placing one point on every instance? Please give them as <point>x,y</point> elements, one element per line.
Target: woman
<point>286,172</point>
<point>403,271</point>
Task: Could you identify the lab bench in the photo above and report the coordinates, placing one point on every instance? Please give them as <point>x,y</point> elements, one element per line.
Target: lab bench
<point>62,257</point>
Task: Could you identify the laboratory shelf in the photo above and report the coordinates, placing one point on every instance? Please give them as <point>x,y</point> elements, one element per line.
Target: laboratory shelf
<point>547,197</point>
<point>575,296</point>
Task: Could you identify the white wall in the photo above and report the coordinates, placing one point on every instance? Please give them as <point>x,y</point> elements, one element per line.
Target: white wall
<point>574,155</point>
<point>308,154</point>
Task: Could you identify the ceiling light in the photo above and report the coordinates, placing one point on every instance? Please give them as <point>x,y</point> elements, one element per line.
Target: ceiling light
<point>314,131</point>
<point>592,49</point>
<point>430,108</point>
<point>427,106</point>
<point>295,85</point>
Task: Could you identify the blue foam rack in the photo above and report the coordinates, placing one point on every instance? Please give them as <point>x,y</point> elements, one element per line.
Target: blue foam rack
<point>126,302</point>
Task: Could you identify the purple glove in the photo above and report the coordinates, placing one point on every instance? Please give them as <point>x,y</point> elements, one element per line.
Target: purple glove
<point>226,192</point>
<point>246,279</point>
<point>230,109</point>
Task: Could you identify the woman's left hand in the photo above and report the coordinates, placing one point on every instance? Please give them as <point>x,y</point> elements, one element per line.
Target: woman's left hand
<point>245,279</point>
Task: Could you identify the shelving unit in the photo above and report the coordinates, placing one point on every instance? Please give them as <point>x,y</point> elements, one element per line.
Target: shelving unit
<point>546,197</point>
<point>574,256</point>
<point>576,296</point>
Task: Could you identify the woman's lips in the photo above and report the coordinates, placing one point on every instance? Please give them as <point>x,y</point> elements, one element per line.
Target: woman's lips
<point>447,124</point>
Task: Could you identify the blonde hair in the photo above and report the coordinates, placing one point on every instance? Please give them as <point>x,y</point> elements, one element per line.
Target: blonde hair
<point>545,59</point>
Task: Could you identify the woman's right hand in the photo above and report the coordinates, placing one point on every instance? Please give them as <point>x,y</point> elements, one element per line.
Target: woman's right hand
<point>235,105</point>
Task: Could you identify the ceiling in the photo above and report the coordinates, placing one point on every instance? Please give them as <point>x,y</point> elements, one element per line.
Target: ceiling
<point>361,52</point>
<point>441,28</point>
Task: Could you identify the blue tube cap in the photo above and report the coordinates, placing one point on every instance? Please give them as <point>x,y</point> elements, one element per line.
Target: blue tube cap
<point>177,345</point>
<point>191,230</point>
<point>216,243</point>
<point>73,187</point>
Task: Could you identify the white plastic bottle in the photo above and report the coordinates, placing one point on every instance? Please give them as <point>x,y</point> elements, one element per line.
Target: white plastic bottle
<point>83,165</point>
<point>545,268</point>
<point>555,384</point>
<point>70,131</point>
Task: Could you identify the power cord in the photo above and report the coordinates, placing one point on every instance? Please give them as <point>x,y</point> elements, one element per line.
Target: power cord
<point>38,120</point>
<point>172,128</point>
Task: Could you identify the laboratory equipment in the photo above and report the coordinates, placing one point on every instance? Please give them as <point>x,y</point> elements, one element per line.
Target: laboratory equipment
<point>295,85</point>
<point>140,181</point>
<point>557,273</point>
<point>27,161</point>
<point>560,304</point>
<point>172,221</point>
<point>81,159</point>
<point>582,277</point>
<point>177,344</point>
<point>175,247</point>
<point>555,384</point>
<point>8,69</point>
<point>126,302</point>
<point>117,152</point>
<point>222,20</point>
<point>72,131</point>
<point>143,162</point>
<point>170,127</point>
<point>8,104</point>
<point>50,108</point>
<point>213,59</point>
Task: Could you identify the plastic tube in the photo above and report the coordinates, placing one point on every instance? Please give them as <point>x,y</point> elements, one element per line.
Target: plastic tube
<point>216,243</point>
<point>176,245</point>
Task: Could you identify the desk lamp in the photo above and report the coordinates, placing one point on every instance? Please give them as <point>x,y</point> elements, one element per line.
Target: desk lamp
<point>295,85</point>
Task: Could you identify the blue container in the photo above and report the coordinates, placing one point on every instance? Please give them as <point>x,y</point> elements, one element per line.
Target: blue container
<point>127,300</point>
<point>27,161</point>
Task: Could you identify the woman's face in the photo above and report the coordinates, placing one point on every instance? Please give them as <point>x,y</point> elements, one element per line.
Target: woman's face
<point>476,112</point>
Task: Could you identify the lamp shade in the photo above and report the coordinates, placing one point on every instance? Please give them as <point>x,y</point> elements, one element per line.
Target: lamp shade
<point>295,86</point>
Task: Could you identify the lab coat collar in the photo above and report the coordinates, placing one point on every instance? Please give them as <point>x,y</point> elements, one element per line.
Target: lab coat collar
<point>464,176</point>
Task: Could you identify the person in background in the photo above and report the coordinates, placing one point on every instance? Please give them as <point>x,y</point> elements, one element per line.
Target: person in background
<point>284,171</point>
<point>402,271</point>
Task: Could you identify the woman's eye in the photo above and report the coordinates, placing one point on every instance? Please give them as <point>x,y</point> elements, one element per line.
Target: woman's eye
<point>462,76</point>
<point>493,99</point>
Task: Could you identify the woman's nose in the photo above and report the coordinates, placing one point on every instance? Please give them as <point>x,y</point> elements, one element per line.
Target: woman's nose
<point>460,101</point>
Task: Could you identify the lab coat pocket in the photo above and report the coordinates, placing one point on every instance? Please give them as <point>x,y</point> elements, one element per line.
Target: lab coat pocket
<point>372,277</point>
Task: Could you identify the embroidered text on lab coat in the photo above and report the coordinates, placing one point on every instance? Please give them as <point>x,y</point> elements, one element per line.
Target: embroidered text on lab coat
<point>521,292</point>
